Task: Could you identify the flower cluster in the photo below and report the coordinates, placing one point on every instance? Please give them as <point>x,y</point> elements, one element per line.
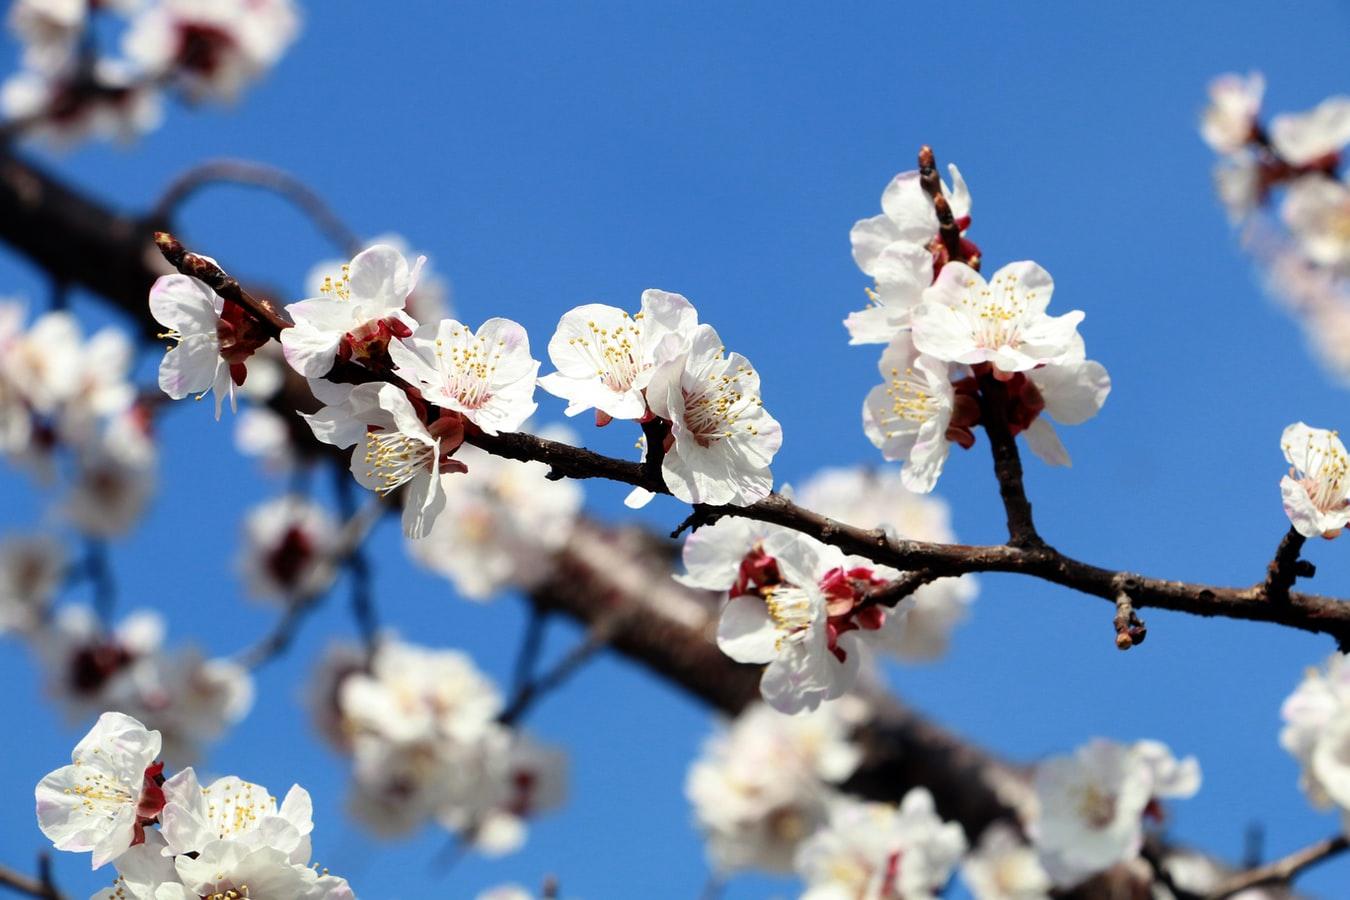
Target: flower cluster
<point>1294,166</point>
<point>1092,804</point>
<point>795,604</point>
<point>291,550</point>
<point>1317,733</point>
<point>226,839</point>
<point>1316,491</point>
<point>421,727</point>
<point>766,781</point>
<point>188,698</point>
<point>660,365</point>
<point>958,347</point>
<point>206,49</point>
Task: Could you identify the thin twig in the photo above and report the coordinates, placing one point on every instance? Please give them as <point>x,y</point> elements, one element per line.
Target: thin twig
<point>527,657</point>
<point>100,577</point>
<point>1286,566</point>
<point>597,636</point>
<point>1007,463</point>
<point>32,887</point>
<point>1130,629</point>
<point>273,319</point>
<point>267,178</point>
<point>892,593</point>
<point>1282,871</point>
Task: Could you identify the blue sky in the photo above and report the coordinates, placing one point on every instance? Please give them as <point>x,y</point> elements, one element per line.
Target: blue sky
<point>547,155</point>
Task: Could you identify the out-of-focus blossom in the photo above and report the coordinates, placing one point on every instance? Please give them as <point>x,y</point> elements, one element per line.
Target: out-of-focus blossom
<point>32,568</point>
<point>1234,103</point>
<point>290,550</point>
<point>1004,867</point>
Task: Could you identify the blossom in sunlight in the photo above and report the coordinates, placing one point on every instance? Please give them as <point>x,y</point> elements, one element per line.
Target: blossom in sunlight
<point>909,415</point>
<point>502,524</point>
<point>213,48</point>
<point>1316,491</point>
<point>722,439</point>
<point>873,498</point>
<point>235,869</point>
<point>48,29</point>
<point>1228,123</point>
<point>356,315</point>
<point>903,270</point>
<point>1314,137</point>
<point>235,810</point>
<point>1317,733</point>
<point>214,337</point>
<point>290,550</point>
<point>1003,321</point>
<point>728,555</point>
<point>32,569</point>
<point>876,850</point>
<point>763,783</point>
<point>1092,804</point>
<point>103,389</point>
<point>605,358</point>
<point>44,361</point>
<point>103,800</point>
<point>1317,212</point>
<point>786,624</point>
<point>1004,867</point>
<point>488,376</point>
<point>64,110</point>
<point>429,300</point>
<point>908,217</point>
<point>1070,392</point>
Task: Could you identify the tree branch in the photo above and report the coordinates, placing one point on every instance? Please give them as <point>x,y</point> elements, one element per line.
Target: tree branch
<point>1282,871</point>
<point>1286,566</point>
<point>32,887</point>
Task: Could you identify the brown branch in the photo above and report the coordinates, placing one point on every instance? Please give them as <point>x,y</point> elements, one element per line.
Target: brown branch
<point>42,887</point>
<point>268,178</point>
<point>533,689</point>
<point>897,590</point>
<point>1283,871</point>
<point>1007,463</point>
<point>948,231</point>
<point>1130,629</point>
<point>208,271</point>
<point>1286,566</point>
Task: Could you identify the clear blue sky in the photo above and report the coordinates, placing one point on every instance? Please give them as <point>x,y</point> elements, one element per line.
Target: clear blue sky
<point>552,154</point>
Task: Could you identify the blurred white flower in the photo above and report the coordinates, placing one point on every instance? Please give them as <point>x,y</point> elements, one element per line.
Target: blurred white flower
<point>1004,867</point>
<point>32,570</point>
<point>1228,123</point>
<point>290,550</point>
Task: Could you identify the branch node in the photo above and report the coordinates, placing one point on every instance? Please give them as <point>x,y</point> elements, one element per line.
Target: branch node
<point>699,516</point>
<point>1130,629</point>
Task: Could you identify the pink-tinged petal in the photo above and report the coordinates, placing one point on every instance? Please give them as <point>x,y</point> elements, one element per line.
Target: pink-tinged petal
<point>1299,507</point>
<point>190,367</point>
<point>745,632</point>
<point>1045,443</point>
<point>185,304</point>
<point>869,238</point>
<point>379,279</point>
<point>1074,392</point>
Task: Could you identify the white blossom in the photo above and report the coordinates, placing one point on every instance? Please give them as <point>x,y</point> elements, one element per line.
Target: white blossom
<point>1307,138</point>
<point>1092,803</point>
<point>192,313</point>
<point>487,376</point>
<point>98,802</point>
<point>903,270</point>
<point>59,110</point>
<point>907,415</point>
<point>605,358</point>
<point>429,300</point>
<point>872,498</point>
<point>1317,211</point>
<point>873,851</point>
<point>1234,103</point>
<point>965,319</point>
<point>1003,867</point>
<point>356,314</point>
<point>235,810</point>
<point>215,48</point>
<point>1073,391</point>
<point>113,485</point>
<point>265,434</point>
<point>502,524</point>
<point>1317,733</point>
<point>1316,491</point>
<point>763,783</point>
<point>32,569</point>
<point>290,550</point>
<point>722,438</point>
<point>907,217</point>
<point>1240,184</point>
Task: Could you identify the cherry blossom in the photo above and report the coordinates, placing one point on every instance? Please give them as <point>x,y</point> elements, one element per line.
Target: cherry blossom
<point>786,625</point>
<point>32,569</point>
<point>873,850</point>
<point>262,433</point>
<point>487,376</point>
<point>229,868</point>
<point>235,810</point>
<point>1310,138</point>
<point>965,319</point>
<point>907,217</point>
<point>290,550</point>
<point>764,782</point>
<point>728,555</point>
<point>1229,121</point>
<point>871,498</point>
<point>48,29</point>
<point>102,801</point>
<point>64,110</point>
<point>502,523</point>
<point>1316,491</point>
<point>908,415</point>
<point>1003,867</point>
<point>114,482</point>
<point>1071,392</point>
<point>356,315</point>
<point>1317,212</point>
<point>214,339</point>
<point>606,358</point>
<point>1092,804</point>
<point>430,297</point>
<point>214,48</point>
<point>1317,733</point>
<point>722,439</point>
